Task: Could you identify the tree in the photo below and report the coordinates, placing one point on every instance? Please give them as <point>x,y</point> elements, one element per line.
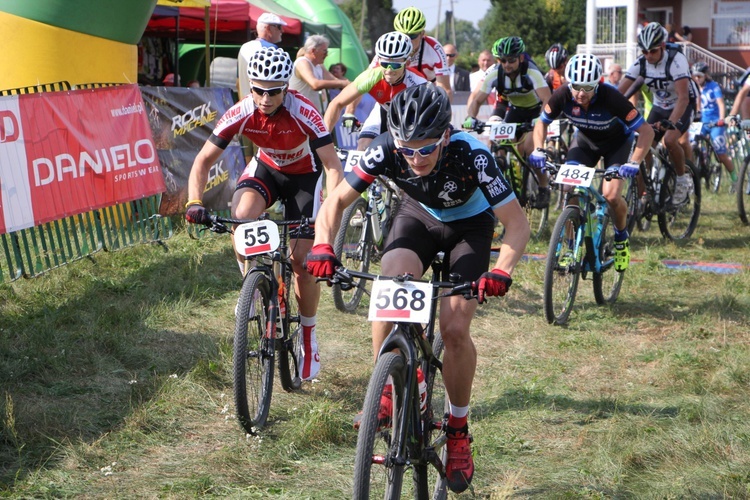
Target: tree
<point>378,20</point>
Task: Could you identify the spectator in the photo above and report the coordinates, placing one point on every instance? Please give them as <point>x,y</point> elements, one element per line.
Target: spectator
<point>270,28</point>
<point>459,76</point>
<point>310,77</point>
<point>338,70</point>
<point>485,62</point>
<point>687,34</point>
<point>614,75</point>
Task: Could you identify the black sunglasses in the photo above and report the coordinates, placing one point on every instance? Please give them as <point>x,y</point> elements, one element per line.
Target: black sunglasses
<point>508,60</point>
<point>652,51</point>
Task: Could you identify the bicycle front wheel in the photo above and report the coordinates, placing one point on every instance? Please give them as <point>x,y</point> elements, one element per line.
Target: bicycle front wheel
<point>606,291</point>
<point>679,218</point>
<point>376,474</point>
<point>253,353</point>
<point>563,268</point>
<point>290,347</point>
<point>353,248</point>
<point>743,192</point>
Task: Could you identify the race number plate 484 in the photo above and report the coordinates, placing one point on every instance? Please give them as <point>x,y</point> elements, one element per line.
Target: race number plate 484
<point>407,302</point>
<point>257,237</point>
<point>575,175</point>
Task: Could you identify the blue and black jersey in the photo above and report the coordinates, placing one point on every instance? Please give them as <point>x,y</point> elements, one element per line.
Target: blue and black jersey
<point>610,116</point>
<point>465,182</point>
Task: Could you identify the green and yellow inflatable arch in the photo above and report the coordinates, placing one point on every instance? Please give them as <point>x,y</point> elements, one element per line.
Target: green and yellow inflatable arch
<point>78,41</point>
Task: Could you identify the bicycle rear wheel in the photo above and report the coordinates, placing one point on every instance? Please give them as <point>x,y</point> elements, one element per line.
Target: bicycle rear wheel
<point>353,248</point>
<point>563,268</point>
<point>253,353</point>
<point>678,221</point>
<point>743,191</point>
<point>290,346</point>
<point>438,406</point>
<point>606,291</point>
<point>375,473</point>
<point>715,168</point>
<point>632,199</point>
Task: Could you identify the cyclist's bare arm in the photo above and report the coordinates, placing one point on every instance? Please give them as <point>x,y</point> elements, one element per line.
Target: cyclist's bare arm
<point>329,217</point>
<point>738,100</point>
<point>543,93</point>
<point>682,86</point>
<point>642,145</point>
<point>540,134</point>
<point>352,106</point>
<point>331,165</point>
<point>445,82</point>
<point>348,95</point>
<point>476,99</point>
<point>207,156</point>
<point>517,234</point>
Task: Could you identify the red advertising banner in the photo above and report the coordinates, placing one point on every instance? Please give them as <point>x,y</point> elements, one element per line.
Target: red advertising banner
<point>65,153</point>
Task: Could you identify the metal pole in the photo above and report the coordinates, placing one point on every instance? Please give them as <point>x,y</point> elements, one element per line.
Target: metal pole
<point>208,45</point>
<point>177,51</point>
<point>362,22</point>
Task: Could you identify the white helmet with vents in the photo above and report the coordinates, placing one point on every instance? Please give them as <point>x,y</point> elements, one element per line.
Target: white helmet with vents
<point>393,45</point>
<point>583,69</point>
<point>270,64</point>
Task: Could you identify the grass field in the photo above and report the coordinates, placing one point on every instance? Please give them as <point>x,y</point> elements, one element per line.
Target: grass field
<point>116,382</point>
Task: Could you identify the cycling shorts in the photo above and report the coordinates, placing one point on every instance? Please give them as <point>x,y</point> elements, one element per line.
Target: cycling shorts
<point>582,150</point>
<point>466,242</point>
<point>718,139</point>
<point>302,194</point>
<point>658,114</point>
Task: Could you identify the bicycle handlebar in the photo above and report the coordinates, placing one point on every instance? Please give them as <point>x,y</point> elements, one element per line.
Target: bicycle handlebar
<point>218,224</point>
<point>554,168</point>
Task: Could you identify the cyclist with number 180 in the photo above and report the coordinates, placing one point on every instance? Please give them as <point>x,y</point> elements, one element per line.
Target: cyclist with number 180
<point>454,192</point>
<point>606,123</point>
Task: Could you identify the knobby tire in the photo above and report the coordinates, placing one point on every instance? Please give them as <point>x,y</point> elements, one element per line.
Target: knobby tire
<point>563,266</point>
<point>353,247</point>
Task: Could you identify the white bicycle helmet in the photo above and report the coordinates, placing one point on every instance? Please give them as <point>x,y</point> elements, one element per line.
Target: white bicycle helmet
<point>270,64</point>
<point>583,69</point>
<point>652,35</point>
<point>393,45</point>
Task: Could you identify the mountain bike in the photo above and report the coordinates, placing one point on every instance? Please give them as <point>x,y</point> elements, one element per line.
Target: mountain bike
<point>416,438</point>
<point>582,243</point>
<point>267,316</point>
<point>743,191</point>
<point>559,135</point>
<point>707,162</point>
<point>677,218</point>
<point>364,227</point>
<point>505,138</point>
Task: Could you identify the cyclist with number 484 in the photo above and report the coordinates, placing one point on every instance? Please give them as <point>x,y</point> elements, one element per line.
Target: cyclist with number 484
<point>454,192</point>
<point>606,122</point>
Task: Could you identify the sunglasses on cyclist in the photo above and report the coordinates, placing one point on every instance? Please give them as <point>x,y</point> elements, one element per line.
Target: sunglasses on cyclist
<point>414,36</point>
<point>582,88</point>
<point>424,151</point>
<point>651,51</point>
<point>391,65</point>
<point>508,60</point>
<point>273,92</point>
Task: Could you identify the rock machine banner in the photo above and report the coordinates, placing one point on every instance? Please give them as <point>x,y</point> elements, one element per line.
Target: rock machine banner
<point>181,120</point>
<point>65,153</point>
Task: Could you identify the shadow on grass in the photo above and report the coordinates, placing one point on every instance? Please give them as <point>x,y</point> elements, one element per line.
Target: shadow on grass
<point>79,365</point>
<point>590,409</point>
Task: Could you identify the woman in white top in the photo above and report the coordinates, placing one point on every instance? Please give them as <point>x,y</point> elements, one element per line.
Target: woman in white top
<point>310,76</point>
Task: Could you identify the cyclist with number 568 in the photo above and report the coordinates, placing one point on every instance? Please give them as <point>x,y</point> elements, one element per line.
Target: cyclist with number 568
<point>606,123</point>
<point>454,192</point>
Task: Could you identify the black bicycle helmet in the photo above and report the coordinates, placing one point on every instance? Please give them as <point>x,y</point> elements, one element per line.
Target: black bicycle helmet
<point>511,46</point>
<point>556,55</point>
<point>419,112</point>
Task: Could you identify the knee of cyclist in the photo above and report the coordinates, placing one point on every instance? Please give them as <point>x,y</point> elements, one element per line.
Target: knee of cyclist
<point>455,337</point>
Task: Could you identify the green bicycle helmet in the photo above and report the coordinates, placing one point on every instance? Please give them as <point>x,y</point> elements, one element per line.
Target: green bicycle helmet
<point>409,21</point>
<point>511,46</point>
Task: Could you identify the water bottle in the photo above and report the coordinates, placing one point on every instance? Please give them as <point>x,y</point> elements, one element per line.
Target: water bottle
<point>282,308</point>
<point>422,390</point>
<point>377,230</point>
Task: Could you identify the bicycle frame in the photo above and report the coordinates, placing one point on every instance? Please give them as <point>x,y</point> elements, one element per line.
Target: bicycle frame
<point>594,223</point>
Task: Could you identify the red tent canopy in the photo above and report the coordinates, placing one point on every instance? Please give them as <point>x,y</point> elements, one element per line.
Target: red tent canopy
<point>231,20</point>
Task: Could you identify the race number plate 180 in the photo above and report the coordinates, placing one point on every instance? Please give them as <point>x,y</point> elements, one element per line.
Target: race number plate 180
<point>500,131</point>
<point>575,175</point>
<point>352,158</point>
<point>407,302</point>
<point>257,237</point>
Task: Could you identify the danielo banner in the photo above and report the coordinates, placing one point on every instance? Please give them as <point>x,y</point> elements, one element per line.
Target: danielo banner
<point>65,153</point>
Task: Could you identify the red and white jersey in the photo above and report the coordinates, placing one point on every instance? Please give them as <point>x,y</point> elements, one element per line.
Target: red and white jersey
<point>429,56</point>
<point>285,140</point>
<point>372,81</point>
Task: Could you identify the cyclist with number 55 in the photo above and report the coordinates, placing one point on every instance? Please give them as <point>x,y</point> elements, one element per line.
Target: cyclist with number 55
<point>606,122</point>
<point>292,144</point>
<point>454,192</point>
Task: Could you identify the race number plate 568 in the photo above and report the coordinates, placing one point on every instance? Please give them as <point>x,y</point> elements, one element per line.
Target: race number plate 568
<point>253,238</point>
<point>575,175</point>
<point>407,302</point>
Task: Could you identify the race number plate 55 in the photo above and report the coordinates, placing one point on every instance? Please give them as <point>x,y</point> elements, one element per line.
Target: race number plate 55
<point>407,302</point>
<point>253,238</point>
<point>500,131</point>
<point>352,158</point>
<point>575,175</point>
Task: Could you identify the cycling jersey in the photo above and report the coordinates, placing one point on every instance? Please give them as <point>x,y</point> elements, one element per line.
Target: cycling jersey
<point>372,81</point>
<point>286,140</point>
<point>662,88</point>
<point>610,116</point>
<point>554,79</point>
<point>465,182</point>
<point>710,95</point>
<point>429,56</point>
<point>521,90</point>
